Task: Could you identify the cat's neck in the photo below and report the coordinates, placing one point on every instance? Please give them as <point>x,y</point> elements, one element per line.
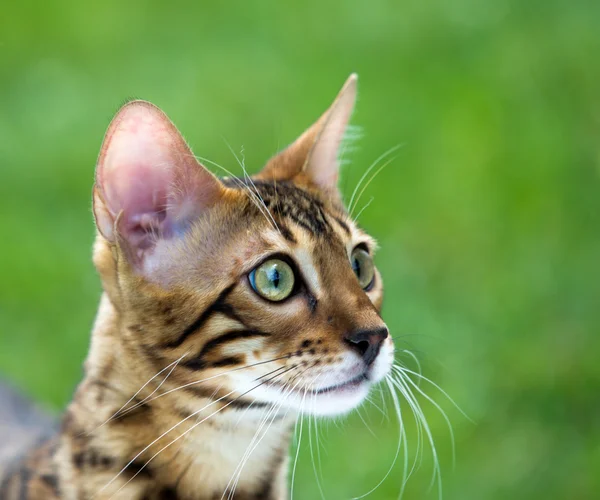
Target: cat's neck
<point>154,450</point>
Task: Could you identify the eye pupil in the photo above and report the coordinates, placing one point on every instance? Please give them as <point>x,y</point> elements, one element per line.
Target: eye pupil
<point>275,278</point>
<point>363,267</point>
<point>356,266</point>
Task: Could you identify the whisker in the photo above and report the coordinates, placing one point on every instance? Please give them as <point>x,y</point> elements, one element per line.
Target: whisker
<point>310,443</point>
<point>369,399</point>
<point>250,449</point>
<point>415,409</point>
<point>251,195</point>
<point>252,403</point>
<point>422,377</point>
<point>383,408</point>
<point>365,422</point>
<point>298,448</point>
<point>363,208</point>
<point>364,176</point>
<point>249,179</point>
<point>415,359</point>
<point>196,382</point>
<point>174,427</point>
<point>375,174</point>
<point>401,443</point>
<point>320,463</point>
<point>117,413</point>
<point>201,421</point>
<point>236,475</point>
<point>400,383</point>
<point>244,413</point>
<point>442,413</point>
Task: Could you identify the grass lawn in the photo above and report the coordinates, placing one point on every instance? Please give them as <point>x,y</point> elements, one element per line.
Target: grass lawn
<point>488,220</point>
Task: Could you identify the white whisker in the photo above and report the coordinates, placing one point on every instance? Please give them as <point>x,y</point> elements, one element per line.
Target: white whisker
<point>363,208</point>
<point>365,422</point>
<point>196,382</point>
<point>401,443</point>
<point>351,204</point>
<point>245,188</point>
<point>415,409</point>
<point>375,174</point>
<point>274,410</point>
<point>310,442</point>
<point>442,413</point>
<point>238,470</point>
<point>410,398</point>
<point>298,447</point>
<point>406,370</point>
<point>172,366</point>
<point>249,179</point>
<point>168,431</point>
<point>415,359</point>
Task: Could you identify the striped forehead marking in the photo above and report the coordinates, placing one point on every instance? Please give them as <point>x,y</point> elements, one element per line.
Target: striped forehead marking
<point>286,200</point>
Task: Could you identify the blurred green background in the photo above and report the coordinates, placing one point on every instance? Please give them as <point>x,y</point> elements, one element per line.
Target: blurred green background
<point>489,219</point>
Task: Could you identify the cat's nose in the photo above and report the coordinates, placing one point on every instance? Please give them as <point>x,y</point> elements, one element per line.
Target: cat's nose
<point>367,343</point>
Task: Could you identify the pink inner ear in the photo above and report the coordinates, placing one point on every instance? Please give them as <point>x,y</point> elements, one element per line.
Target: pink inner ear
<point>147,173</point>
<point>136,170</point>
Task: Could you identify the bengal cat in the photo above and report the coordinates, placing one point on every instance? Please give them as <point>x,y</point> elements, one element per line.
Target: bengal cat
<point>229,306</point>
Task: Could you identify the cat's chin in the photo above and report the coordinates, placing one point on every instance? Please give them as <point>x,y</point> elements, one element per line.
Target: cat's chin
<point>338,400</point>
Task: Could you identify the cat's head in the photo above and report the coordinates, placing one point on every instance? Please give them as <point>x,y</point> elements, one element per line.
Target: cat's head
<point>261,288</point>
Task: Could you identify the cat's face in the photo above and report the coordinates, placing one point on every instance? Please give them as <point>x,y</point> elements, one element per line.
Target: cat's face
<point>259,291</point>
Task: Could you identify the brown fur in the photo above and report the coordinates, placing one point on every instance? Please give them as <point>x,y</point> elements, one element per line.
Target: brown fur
<point>199,315</point>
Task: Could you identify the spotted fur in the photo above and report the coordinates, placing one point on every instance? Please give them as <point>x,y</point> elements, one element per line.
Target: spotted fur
<point>186,360</point>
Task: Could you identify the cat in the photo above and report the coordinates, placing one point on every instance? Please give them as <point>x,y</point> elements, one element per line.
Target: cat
<point>229,306</point>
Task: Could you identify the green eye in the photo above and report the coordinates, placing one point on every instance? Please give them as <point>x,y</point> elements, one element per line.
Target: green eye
<point>362,264</point>
<point>273,280</point>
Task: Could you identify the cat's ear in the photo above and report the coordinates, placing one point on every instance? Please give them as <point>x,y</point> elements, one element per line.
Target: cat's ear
<point>149,186</point>
<point>315,154</point>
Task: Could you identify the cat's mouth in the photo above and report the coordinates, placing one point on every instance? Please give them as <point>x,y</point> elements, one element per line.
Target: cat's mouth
<point>338,394</point>
<point>350,385</point>
<point>343,388</point>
